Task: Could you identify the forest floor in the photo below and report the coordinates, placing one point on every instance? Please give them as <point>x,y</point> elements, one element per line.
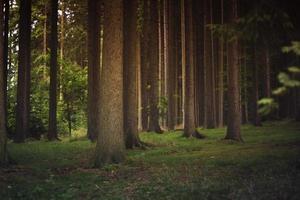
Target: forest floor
<point>266,166</point>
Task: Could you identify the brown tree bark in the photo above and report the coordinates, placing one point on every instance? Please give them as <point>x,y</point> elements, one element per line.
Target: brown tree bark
<point>234,114</point>
<point>23,87</point>
<point>110,143</point>
<point>5,54</point>
<point>52,132</point>
<point>3,131</point>
<point>145,67</point>
<point>153,72</point>
<point>188,63</point>
<point>255,118</point>
<point>94,52</point>
<point>220,74</point>
<point>209,67</point>
<point>130,74</point>
<point>171,65</point>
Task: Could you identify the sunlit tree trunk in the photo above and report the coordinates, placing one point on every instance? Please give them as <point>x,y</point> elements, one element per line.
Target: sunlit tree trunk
<point>52,132</point>
<point>110,143</point>
<point>93,68</point>
<point>23,87</point>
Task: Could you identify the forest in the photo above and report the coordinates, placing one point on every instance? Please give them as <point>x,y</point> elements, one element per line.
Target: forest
<point>149,99</point>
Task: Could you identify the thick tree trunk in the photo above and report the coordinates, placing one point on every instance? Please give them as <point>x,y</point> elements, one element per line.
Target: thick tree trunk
<point>3,132</point>
<point>234,114</point>
<point>93,69</point>
<point>188,63</point>
<point>130,74</point>
<point>52,132</point>
<point>23,88</point>
<point>110,143</point>
<point>153,73</point>
<point>171,67</point>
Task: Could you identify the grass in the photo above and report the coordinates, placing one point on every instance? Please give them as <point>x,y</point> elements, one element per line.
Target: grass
<point>266,166</point>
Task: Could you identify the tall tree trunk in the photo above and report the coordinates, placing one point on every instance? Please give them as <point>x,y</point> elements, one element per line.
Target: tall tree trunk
<point>267,77</point>
<point>171,67</point>
<point>23,87</point>
<point>3,130</point>
<point>5,54</point>
<point>93,68</point>
<point>145,66</point>
<point>110,143</point>
<point>130,74</point>
<point>255,118</point>
<point>52,132</point>
<point>153,73</point>
<point>209,75</point>
<point>234,114</point>
<point>62,48</point>
<point>220,75</point>
<point>199,63</point>
<point>188,63</point>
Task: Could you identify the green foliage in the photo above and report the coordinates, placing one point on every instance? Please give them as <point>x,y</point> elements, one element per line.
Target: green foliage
<point>267,106</point>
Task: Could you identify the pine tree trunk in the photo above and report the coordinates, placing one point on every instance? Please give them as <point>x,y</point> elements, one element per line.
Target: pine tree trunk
<point>234,114</point>
<point>209,74</point>
<point>52,132</point>
<point>145,67</point>
<point>153,72</point>
<point>23,87</point>
<point>255,118</point>
<point>130,74</point>
<point>93,69</point>
<point>6,58</point>
<point>3,132</point>
<point>45,34</point>
<point>171,66</point>
<point>110,143</point>
<point>188,63</point>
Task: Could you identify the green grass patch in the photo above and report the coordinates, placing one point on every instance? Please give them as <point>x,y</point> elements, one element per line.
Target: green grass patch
<point>266,166</point>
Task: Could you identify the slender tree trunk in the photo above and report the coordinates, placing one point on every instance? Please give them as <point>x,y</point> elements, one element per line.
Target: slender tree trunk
<point>208,60</point>
<point>145,66</point>
<point>153,73</point>
<point>220,75</point>
<point>234,114</point>
<point>255,118</point>
<point>45,34</point>
<point>93,69</point>
<point>110,143</point>
<point>130,74</point>
<point>267,77</point>
<point>5,54</point>
<point>3,130</point>
<point>23,87</point>
<point>188,63</point>
<point>171,67</point>
<point>62,49</point>
<point>52,132</point>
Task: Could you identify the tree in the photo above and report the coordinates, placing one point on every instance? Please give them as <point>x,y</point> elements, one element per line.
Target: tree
<point>23,88</point>
<point>93,68</point>
<point>234,114</point>
<point>130,73</point>
<point>110,142</point>
<point>52,132</point>
<point>153,72</point>
<point>188,63</point>
<point>3,132</point>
